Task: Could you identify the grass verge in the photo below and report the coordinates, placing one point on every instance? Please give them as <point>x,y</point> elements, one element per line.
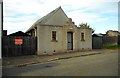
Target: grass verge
<point>111,46</point>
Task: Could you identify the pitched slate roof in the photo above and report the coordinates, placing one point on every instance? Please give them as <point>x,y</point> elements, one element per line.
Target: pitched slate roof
<point>44,19</point>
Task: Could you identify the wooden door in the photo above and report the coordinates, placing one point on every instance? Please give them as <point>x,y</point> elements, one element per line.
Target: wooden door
<point>70,41</point>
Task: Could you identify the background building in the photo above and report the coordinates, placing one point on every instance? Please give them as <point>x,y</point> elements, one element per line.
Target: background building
<point>112,33</point>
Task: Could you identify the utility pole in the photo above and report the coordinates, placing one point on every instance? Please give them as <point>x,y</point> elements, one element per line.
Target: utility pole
<point>1,30</point>
<point>1,26</point>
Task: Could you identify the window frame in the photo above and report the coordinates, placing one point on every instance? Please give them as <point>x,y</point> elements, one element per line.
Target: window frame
<point>54,34</point>
<point>82,36</point>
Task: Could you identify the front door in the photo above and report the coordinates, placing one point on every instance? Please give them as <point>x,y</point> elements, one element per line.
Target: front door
<point>70,41</point>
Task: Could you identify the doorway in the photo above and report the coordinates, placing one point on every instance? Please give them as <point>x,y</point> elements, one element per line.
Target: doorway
<point>70,40</point>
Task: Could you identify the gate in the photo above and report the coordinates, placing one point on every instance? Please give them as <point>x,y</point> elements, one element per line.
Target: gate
<point>97,42</point>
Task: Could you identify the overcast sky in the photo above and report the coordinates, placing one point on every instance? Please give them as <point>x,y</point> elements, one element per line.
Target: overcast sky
<point>101,15</point>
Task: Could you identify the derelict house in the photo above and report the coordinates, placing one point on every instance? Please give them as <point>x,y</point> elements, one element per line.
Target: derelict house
<point>56,32</point>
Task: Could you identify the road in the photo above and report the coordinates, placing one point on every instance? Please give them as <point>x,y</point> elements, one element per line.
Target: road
<point>105,64</point>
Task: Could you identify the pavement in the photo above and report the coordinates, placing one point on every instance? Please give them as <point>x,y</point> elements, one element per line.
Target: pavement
<point>20,61</point>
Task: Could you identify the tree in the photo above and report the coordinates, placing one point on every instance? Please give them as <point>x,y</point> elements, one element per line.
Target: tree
<point>85,25</point>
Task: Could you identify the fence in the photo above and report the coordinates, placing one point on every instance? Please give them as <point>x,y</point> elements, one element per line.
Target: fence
<point>110,40</point>
<point>96,42</point>
<point>18,46</point>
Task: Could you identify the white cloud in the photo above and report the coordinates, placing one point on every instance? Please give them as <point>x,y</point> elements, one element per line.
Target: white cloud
<point>17,26</point>
<point>22,14</point>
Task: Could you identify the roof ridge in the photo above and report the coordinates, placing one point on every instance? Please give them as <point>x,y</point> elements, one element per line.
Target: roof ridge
<point>52,12</point>
<point>44,18</point>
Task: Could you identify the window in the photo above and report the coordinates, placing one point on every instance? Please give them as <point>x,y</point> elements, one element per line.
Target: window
<point>54,35</point>
<point>82,37</point>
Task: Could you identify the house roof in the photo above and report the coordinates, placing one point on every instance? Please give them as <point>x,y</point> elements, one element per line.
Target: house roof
<point>113,31</point>
<point>98,35</point>
<point>19,33</point>
<point>45,19</point>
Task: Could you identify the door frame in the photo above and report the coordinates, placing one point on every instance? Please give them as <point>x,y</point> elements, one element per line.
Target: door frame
<point>71,40</point>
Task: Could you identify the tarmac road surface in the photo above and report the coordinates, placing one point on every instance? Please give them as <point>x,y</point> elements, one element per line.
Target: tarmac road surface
<point>105,64</point>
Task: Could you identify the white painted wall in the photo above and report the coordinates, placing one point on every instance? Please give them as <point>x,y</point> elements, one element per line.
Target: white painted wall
<point>44,38</point>
<point>87,44</point>
<point>47,46</point>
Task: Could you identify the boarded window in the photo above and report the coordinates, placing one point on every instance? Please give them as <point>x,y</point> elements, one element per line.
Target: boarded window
<point>82,37</point>
<point>54,35</point>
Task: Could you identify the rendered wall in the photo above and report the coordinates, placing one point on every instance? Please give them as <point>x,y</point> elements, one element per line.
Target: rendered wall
<point>58,18</point>
<point>87,44</point>
<point>44,38</point>
<point>47,46</point>
<point>58,21</point>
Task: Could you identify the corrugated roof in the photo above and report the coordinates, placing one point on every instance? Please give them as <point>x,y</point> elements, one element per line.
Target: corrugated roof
<point>98,35</point>
<point>44,19</point>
